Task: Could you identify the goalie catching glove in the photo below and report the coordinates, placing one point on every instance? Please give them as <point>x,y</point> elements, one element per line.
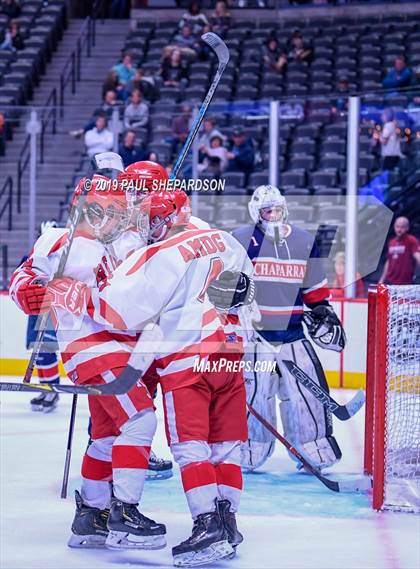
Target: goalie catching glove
<point>325,328</point>
<point>231,290</point>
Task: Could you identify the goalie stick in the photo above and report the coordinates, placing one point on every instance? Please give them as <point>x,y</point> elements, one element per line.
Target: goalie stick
<point>342,412</point>
<point>359,485</point>
<point>222,54</point>
<point>102,160</point>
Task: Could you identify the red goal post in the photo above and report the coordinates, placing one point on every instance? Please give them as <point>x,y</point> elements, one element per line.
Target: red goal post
<point>392,427</point>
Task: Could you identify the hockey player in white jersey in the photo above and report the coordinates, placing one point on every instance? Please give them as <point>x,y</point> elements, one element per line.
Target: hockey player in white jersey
<point>198,364</point>
<point>122,426</point>
<point>289,275</point>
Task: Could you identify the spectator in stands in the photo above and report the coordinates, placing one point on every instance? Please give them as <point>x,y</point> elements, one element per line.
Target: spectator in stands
<point>214,157</point>
<point>186,42</point>
<point>129,151</point>
<point>389,140</point>
<point>152,156</point>
<point>403,255</point>
<point>174,70</point>
<point>241,156</point>
<point>146,83</point>
<point>208,131</point>
<point>195,19</point>
<point>136,114</point>
<point>338,284</point>
<point>110,103</point>
<point>299,51</point>
<point>13,40</point>
<point>111,84</point>
<point>273,57</point>
<point>100,138</point>
<point>181,127</point>
<point>221,18</point>
<point>125,70</point>
<point>400,76</point>
<point>11,8</point>
<point>340,104</point>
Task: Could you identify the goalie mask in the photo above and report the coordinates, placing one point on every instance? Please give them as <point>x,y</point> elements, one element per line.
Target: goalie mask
<point>325,328</point>
<point>268,208</point>
<point>105,210</point>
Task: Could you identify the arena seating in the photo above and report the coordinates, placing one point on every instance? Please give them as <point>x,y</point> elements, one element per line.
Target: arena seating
<point>313,139</point>
<point>41,25</point>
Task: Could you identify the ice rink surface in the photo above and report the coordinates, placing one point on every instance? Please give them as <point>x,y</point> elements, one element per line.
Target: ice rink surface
<point>289,519</point>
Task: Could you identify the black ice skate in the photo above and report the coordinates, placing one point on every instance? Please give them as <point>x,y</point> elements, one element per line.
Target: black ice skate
<point>235,537</point>
<point>36,402</point>
<point>89,526</point>
<point>208,542</point>
<point>49,402</point>
<point>159,468</point>
<point>129,529</point>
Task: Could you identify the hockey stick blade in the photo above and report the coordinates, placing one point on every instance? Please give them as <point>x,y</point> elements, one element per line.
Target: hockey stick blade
<point>358,485</point>
<point>218,45</point>
<point>342,412</point>
<point>122,384</point>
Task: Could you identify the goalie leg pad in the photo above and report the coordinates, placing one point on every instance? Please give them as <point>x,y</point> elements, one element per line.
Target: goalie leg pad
<point>307,424</point>
<point>261,389</point>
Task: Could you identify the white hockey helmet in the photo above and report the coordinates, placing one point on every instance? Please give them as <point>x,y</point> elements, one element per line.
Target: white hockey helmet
<point>264,198</point>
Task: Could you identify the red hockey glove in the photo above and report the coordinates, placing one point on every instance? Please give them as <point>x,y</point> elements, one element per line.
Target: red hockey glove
<point>31,297</point>
<point>69,295</point>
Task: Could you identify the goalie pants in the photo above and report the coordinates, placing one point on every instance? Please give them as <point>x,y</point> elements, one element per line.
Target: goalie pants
<point>122,430</point>
<point>205,424</point>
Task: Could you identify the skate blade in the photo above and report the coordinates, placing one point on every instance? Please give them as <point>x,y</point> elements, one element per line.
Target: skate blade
<point>163,475</point>
<point>49,409</point>
<point>118,540</point>
<point>87,541</point>
<point>213,552</point>
<point>37,408</point>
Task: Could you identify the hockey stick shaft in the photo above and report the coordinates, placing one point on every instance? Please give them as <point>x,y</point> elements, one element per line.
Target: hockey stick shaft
<point>351,486</point>
<point>342,412</point>
<point>118,386</point>
<point>222,53</point>
<point>69,448</point>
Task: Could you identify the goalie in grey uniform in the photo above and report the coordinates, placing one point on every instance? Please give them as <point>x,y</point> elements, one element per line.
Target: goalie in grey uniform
<point>289,276</point>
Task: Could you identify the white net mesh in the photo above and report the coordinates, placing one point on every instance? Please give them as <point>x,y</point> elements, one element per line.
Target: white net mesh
<point>402,423</point>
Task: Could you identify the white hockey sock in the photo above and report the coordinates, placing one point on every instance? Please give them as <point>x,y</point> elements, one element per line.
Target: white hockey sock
<point>130,456</point>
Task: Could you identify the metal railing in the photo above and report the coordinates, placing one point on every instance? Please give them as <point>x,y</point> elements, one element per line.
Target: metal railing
<point>71,72</point>
<point>4,281</point>
<point>48,114</point>
<point>7,191</point>
<point>22,164</point>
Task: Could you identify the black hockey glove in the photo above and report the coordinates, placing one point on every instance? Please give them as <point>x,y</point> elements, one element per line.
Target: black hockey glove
<point>325,328</point>
<point>231,290</point>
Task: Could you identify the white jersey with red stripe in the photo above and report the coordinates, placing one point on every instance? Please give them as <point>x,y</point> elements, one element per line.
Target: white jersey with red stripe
<point>166,283</point>
<point>87,348</point>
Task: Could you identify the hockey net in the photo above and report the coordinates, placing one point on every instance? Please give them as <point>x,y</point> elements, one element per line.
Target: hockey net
<point>392,429</point>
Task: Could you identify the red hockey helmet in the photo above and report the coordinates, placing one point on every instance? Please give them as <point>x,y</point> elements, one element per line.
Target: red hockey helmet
<point>161,211</point>
<point>142,176</point>
<point>105,209</point>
